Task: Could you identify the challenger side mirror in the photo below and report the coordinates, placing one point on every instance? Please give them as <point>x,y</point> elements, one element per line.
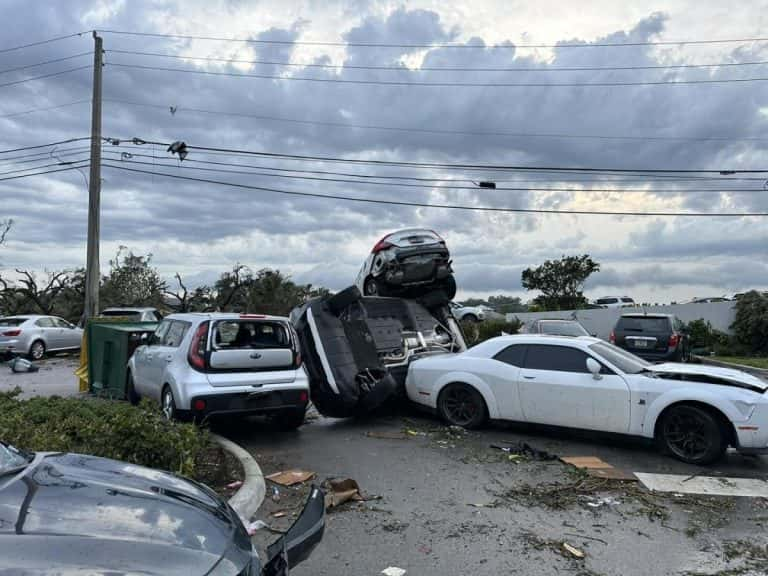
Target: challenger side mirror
<point>594,367</point>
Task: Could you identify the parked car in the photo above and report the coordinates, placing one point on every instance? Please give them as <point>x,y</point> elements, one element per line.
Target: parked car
<point>407,263</point>
<point>709,299</point>
<point>655,337</point>
<point>135,314</point>
<point>206,364</point>
<point>694,412</point>
<point>33,335</point>
<point>615,302</point>
<point>467,313</point>
<point>74,514</point>
<point>555,327</point>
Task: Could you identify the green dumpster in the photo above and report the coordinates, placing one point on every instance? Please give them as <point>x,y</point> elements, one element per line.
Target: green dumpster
<point>110,345</point>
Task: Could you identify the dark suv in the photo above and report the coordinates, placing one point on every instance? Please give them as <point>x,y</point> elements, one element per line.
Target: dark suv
<point>655,337</point>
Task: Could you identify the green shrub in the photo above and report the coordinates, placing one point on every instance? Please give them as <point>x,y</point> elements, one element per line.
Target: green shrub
<point>103,428</point>
<point>751,323</point>
<point>476,332</point>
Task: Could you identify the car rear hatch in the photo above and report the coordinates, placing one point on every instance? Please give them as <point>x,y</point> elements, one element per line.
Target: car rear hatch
<point>421,254</point>
<point>252,351</point>
<point>643,333</point>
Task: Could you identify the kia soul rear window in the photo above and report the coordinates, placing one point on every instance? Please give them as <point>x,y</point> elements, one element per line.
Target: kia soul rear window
<point>239,334</point>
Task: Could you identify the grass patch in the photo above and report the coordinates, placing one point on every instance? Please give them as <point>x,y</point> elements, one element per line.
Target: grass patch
<point>754,361</point>
<point>117,430</point>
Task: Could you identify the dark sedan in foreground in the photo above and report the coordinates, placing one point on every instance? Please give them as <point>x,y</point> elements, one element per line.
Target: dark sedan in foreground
<point>76,514</point>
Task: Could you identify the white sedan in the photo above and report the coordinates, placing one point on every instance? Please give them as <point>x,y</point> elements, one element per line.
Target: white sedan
<point>694,412</point>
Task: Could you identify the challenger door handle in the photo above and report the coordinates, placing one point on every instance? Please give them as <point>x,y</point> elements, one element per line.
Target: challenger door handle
<point>169,358</point>
<point>255,355</point>
<point>529,377</point>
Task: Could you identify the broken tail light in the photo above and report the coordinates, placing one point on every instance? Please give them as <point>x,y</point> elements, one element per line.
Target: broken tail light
<point>612,337</point>
<point>674,339</point>
<point>196,355</point>
<point>381,245</point>
<point>12,333</point>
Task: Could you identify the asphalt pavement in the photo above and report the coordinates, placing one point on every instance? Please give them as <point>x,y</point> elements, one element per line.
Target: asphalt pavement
<point>56,377</point>
<point>452,505</point>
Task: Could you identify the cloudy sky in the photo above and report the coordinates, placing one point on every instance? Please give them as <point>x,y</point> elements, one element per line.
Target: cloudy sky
<point>200,229</point>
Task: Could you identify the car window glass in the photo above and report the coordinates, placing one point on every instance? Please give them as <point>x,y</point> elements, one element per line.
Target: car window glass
<point>12,321</point>
<point>607,301</point>
<point>628,300</point>
<point>44,323</point>
<point>563,329</point>
<point>512,355</point>
<point>623,360</point>
<point>558,358</point>
<point>60,323</point>
<point>160,333</point>
<point>175,334</point>
<point>239,334</point>
<point>643,324</point>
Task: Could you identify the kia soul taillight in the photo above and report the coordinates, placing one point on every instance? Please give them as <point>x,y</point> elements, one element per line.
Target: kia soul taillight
<point>196,355</point>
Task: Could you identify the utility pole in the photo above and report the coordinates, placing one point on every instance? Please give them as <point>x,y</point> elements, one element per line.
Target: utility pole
<point>92,270</point>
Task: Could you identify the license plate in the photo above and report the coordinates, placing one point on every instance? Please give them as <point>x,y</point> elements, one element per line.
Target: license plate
<point>641,343</point>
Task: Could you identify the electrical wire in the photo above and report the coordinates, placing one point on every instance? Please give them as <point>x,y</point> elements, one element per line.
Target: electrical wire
<point>31,110</point>
<point>50,75</point>
<point>181,109</point>
<point>60,163</point>
<point>45,145</point>
<point>439,69</point>
<point>41,42</point>
<point>46,155</point>
<point>22,159</point>
<point>436,84</point>
<point>41,173</point>
<point>440,187</point>
<point>489,167</point>
<point>445,206</point>
<point>436,44</point>
<point>26,66</point>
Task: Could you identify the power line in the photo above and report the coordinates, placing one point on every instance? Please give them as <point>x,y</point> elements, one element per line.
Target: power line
<point>43,166</point>
<point>41,173</point>
<point>41,42</point>
<point>181,109</point>
<point>30,111</point>
<point>440,69</point>
<point>437,187</point>
<point>46,155</point>
<point>45,145</point>
<point>445,206</point>
<point>437,84</point>
<point>489,167</point>
<point>22,158</point>
<point>437,44</point>
<point>26,66</point>
<point>59,73</point>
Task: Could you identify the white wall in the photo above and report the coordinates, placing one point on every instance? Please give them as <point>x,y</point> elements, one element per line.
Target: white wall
<point>601,321</point>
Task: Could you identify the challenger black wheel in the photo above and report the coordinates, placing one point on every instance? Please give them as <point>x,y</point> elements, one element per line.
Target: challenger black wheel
<point>462,405</point>
<point>692,434</point>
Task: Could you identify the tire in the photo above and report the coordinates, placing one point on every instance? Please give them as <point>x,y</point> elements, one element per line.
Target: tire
<point>37,350</point>
<point>370,287</point>
<point>130,390</point>
<point>449,287</point>
<point>168,404</point>
<point>692,435</point>
<point>290,419</point>
<point>469,318</point>
<point>461,405</point>
<point>343,300</point>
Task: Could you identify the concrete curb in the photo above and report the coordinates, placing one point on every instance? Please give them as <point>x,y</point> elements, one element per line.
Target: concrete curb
<point>760,372</point>
<point>248,498</point>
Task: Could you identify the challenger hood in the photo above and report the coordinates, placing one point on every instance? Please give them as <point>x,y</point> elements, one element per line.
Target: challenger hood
<point>70,512</point>
<point>710,374</point>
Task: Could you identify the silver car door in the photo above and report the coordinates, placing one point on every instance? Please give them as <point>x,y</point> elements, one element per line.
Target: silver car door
<point>71,336</point>
<point>146,367</point>
<point>48,333</point>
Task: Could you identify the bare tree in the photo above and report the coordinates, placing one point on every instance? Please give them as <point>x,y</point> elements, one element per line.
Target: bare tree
<point>5,227</point>
<point>42,296</point>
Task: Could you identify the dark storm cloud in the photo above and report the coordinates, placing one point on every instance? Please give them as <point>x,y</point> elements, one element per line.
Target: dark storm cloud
<point>724,275</point>
<point>142,206</point>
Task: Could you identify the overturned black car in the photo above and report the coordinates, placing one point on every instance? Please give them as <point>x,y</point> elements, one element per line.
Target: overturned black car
<point>357,348</point>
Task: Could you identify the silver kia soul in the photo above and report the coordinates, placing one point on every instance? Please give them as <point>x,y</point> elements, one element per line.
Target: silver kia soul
<point>207,364</point>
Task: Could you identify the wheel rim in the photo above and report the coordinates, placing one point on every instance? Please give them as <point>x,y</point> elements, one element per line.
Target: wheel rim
<point>168,405</point>
<point>38,350</point>
<point>685,434</point>
<point>370,288</point>
<point>460,406</point>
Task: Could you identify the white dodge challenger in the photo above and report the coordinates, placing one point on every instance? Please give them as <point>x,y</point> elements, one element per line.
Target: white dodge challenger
<point>693,411</point>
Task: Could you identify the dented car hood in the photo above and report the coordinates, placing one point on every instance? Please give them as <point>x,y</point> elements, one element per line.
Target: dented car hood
<point>728,375</point>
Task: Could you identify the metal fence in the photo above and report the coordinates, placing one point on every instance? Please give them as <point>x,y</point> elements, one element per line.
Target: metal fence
<point>601,321</point>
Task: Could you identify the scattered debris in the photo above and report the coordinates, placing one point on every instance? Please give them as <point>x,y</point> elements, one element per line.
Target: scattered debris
<point>254,527</point>
<point>339,491</point>
<point>393,571</point>
<point>19,365</point>
<point>275,494</point>
<point>707,485</point>
<point>598,468</point>
<point>588,462</point>
<point>290,477</point>
<point>388,435</point>
<point>604,501</point>
<point>279,514</point>
<point>525,449</point>
<point>414,432</point>
<point>394,526</point>
<point>235,485</point>
<point>573,551</point>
